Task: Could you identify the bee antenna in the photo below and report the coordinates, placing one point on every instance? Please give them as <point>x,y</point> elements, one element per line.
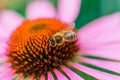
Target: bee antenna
<point>73,25</point>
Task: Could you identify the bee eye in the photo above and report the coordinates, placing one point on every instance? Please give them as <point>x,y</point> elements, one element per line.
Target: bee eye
<point>58,39</point>
<point>52,42</point>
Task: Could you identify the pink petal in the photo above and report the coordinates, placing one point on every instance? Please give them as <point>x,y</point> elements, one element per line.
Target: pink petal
<point>40,9</point>
<point>3,47</point>
<point>68,10</point>
<point>3,58</point>
<point>71,74</point>
<point>9,21</point>
<point>50,77</point>
<point>105,64</point>
<point>99,75</point>
<point>8,76</point>
<point>59,75</point>
<point>42,77</point>
<point>5,66</point>
<point>101,37</point>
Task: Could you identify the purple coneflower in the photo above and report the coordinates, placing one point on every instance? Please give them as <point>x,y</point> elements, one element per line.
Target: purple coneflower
<point>27,51</point>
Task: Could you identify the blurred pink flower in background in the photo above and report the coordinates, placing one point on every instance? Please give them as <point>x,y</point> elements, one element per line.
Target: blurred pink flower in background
<point>99,42</point>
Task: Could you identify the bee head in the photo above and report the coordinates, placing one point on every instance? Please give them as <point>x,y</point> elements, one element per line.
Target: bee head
<point>52,42</point>
<point>58,38</point>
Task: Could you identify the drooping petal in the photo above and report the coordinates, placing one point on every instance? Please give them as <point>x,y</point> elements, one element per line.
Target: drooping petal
<point>59,75</point>
<point>5,66</point>
<point>68,10</point>
<point>71,74</point>
<point>40,9</point>
<point>8,76</point>
<point>50,77</point>
<point>9,21</point>
<point>110,65</point>
<point>42,77</point>
<point>3,47</point>
<point>99,75</point>
<point>3,58</point>
<point>101,37</point>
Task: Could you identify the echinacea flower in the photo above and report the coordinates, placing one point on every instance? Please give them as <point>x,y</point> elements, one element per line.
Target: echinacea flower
<point>26,52</point>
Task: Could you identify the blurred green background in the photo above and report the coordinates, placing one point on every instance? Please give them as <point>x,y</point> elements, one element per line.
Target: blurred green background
<point>90,9</point>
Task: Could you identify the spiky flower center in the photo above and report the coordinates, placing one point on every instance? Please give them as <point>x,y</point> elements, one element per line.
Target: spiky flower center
<point>30,52</point>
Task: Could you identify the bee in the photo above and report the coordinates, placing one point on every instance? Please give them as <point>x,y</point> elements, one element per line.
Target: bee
<point>61,37</point>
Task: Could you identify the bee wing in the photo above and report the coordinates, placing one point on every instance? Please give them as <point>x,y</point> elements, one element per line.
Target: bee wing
<point>70,36</point>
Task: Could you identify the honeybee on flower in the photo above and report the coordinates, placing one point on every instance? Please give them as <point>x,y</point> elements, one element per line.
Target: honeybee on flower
<point>63,36</point>
<point>26,54</point>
